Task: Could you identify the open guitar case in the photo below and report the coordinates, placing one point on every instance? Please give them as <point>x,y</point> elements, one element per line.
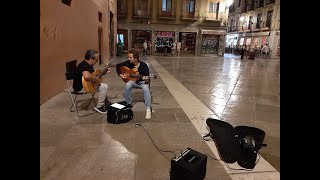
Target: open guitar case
<point>236,144</point>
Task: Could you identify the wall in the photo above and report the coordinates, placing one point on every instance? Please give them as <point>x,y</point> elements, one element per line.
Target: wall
<point>66,32</point>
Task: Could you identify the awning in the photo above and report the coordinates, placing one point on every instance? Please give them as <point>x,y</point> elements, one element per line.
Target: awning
<point>257,34</point>
<point>216,32</point>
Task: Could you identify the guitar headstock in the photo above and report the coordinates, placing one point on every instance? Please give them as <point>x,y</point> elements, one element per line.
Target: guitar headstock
<point>150,76</point>
<point>154,76</point>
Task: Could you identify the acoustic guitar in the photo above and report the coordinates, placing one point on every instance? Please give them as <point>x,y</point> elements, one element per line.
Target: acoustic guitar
<point>133,74</point>
<point>90,87</point>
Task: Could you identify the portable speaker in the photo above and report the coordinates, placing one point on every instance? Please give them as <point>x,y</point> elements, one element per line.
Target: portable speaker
<point>190,165</point>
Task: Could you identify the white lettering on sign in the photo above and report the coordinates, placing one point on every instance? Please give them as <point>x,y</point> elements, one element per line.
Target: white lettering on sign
<point>164,33</point>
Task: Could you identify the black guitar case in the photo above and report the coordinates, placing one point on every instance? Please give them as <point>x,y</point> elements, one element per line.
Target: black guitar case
<point>240,143</point>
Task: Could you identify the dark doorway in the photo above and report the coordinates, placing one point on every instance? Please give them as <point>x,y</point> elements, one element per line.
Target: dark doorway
<point>138,37</point>
<point>188,42</point>
<point>124,34</point>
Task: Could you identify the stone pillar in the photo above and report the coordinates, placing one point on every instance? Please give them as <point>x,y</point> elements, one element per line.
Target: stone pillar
<point>130,11</point>
<point>129,39</point>
<point>273,43</point>
<point>153,35</point>
<point>222,42</point>
<point>198,43</point>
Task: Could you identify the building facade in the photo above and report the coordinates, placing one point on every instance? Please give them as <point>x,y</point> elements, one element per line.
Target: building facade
<point>200,25</point>
<point>67,29</point>
<point>255,23</point>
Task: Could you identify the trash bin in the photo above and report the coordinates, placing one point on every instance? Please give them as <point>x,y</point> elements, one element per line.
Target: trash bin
<point>119,51</point>
<point>251,55</point>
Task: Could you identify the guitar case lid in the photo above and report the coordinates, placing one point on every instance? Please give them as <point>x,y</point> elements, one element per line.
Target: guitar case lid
<point>223,135</point>
<point>240,143</point>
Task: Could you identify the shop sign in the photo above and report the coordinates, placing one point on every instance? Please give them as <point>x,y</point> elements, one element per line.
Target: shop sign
<point>164,33</point>
<point>257,34</point>
<point>215,32</point>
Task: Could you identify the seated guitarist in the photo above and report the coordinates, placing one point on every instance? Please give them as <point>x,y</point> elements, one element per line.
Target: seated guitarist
<point>143,69</point>
<point>85,68</point>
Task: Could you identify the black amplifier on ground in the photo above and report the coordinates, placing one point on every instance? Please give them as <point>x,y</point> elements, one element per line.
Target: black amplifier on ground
<point>189,165</point>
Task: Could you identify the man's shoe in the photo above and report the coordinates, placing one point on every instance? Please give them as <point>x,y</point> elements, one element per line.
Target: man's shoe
<point>101,110</point>
<point>148,114</point>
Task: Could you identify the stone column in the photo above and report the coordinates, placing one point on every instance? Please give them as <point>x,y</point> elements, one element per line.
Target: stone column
<point>273,43</point>
<point>129,39</point>
<point>222,42</point>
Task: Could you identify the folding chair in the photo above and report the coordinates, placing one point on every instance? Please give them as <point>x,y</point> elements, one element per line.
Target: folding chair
<point>70,73</point>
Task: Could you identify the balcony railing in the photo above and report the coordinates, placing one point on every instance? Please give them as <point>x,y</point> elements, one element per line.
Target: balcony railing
<point>189,16</point>
<point>233,28</point>
<point>168,15</point>
<point>268,24</point>
<point>270,2</point>
<point>142,14</point>
<point>245,28</point>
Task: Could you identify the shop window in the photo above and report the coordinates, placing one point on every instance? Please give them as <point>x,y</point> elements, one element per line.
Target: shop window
<point>66,2</point>
<point>138,37</point>
<point>188,42</point>
<point>164,39</point>
<point>209,44</point>
<point>241,41</point>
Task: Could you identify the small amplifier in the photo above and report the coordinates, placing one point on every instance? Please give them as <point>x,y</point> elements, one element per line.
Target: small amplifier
<point>189,165</point>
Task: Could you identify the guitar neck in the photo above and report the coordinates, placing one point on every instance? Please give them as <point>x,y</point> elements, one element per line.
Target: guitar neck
<point>102,72</point>
<point>140,76</point>
<point>136,75</point>
<point>99,76</point>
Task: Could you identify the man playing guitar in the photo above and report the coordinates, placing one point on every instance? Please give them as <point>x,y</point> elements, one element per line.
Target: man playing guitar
<point>84,69</point>
<point>142,68</point>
